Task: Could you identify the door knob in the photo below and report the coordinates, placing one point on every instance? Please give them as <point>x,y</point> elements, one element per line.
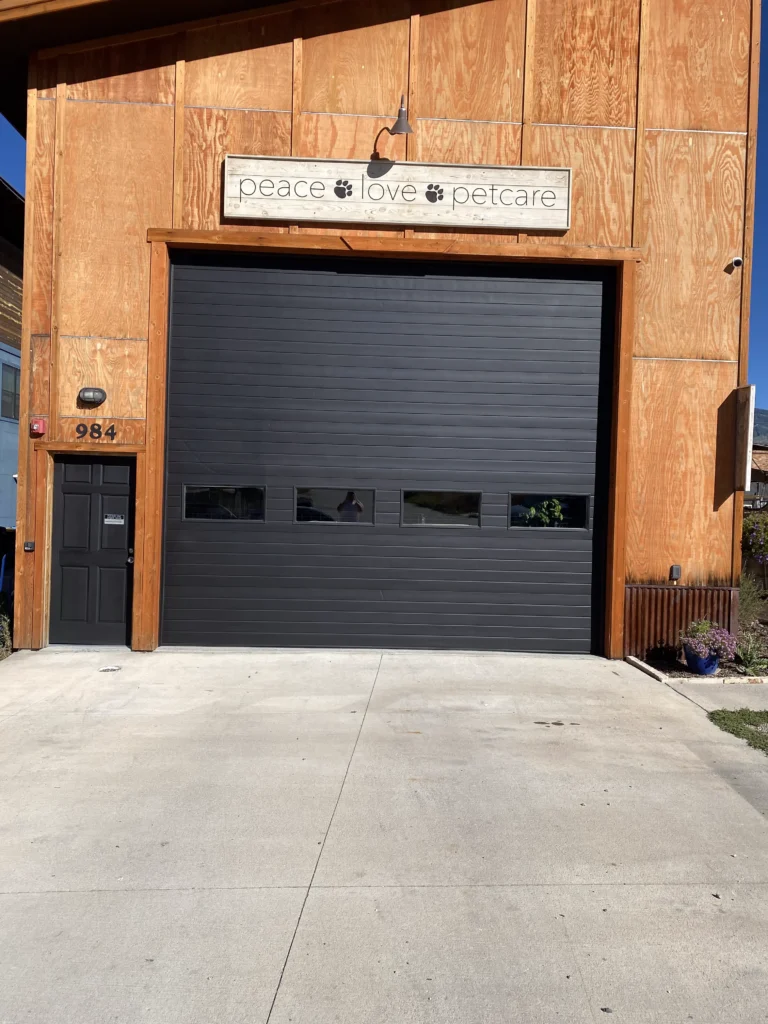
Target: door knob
<point>129,560</point>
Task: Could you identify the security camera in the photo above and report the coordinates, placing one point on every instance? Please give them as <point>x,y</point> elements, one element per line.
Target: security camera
<point>737,261</point>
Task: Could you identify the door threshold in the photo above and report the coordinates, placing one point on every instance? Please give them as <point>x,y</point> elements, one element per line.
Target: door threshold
<point>88,648</point>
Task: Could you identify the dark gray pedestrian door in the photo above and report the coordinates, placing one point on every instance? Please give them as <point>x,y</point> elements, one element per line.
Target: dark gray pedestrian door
<point>92,556</point>
<point>385,453</point>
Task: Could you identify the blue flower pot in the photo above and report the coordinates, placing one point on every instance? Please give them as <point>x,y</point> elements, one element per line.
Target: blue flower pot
<point>701,666</point>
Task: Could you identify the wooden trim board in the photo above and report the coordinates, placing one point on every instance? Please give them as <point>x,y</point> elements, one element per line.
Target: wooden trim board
<point>357,245</point>
<point>43,468</point>
<point>65,447</point>
<point>615,575</point>
<point>25,508</point>
<point>150,469</point>
<point>150,473</point>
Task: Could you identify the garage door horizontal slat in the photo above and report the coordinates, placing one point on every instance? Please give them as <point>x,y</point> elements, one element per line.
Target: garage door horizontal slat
<point>287,372</point>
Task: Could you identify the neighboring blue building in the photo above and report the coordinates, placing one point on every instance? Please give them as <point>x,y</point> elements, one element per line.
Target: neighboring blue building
<point>9,433</point>
<point>11,246</point>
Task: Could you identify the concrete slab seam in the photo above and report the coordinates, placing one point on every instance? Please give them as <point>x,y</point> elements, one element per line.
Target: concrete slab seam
<point>322,845</point>
<point>687,696</point>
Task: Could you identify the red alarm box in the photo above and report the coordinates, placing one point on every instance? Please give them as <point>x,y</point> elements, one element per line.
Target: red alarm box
<point>38,427</point>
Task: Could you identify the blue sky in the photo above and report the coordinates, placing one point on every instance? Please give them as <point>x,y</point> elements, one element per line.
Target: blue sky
<point>758,323</point>
<point>12,169</point>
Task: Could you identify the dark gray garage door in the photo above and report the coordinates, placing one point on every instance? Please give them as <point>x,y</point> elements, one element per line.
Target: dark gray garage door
<point>385,453</point>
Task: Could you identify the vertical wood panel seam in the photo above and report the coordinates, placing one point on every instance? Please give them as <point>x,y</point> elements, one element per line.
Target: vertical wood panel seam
<point>178,132</point>
<point>296,88</point>
<point>527,103</point>
<point>528,74</point>
<point>411,143</point>
<point>58,212</point>
<point>642,56</point>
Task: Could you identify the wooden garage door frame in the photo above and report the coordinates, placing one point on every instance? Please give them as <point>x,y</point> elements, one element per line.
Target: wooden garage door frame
<point>150,469</point>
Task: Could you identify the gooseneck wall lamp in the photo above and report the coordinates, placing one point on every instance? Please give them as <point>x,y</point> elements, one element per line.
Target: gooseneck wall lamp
<point>400,127</point>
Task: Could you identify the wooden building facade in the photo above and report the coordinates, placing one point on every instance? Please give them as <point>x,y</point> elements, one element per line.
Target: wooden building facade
<point>651,103</point>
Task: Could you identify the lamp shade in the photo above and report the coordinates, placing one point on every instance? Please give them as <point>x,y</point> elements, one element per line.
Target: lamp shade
<point>401,126</point>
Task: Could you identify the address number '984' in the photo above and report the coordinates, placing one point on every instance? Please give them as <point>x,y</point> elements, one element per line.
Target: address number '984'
<point>95,431</point>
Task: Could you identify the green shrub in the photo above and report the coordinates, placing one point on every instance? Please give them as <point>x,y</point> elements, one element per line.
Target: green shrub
<point>751,600</point>
<point>751,653</point>
<point>6,637</point>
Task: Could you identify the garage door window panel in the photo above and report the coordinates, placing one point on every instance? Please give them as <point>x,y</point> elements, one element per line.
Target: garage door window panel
<point>223,503</point>
<point>549,511</point>
<point>347,506</point>
<point>441,508</point>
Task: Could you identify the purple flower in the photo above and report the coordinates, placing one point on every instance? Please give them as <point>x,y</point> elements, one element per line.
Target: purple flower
<point>705,638</point>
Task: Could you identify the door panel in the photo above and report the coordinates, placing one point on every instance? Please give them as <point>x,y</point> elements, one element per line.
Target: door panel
<point>92,541</point>
<point>407,422</point>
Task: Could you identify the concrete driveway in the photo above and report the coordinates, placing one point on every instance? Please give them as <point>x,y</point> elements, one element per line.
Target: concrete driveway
<point>368,838</point>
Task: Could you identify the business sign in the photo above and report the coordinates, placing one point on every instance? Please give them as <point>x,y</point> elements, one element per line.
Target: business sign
<point>296,190</point>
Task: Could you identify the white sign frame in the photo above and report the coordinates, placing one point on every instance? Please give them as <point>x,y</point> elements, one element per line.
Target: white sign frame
<point>296,190</point>
<point>745,431</point>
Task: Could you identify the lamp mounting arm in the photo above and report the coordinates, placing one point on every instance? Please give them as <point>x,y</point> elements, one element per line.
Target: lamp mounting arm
<point>376,155</point>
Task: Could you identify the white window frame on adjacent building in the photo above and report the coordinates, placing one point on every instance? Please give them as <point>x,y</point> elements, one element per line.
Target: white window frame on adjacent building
<point>10,395</point>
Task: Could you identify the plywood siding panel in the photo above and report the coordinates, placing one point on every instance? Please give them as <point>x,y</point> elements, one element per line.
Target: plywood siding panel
<point>120,367</point>
<point>349,138</point>
<point>247,65</point>
<point>208,136</point>
<point>688,295</point>
<point>466,142</point>
<point>138,72</point>
<point>603,162</point>
<point>42,217</point>
<point>680,500</point>
<point>697,75</point>
<point>40,374</point>
<point>470,60</point>
<point>362,69</point>
<point>117,182</point>
<point>585,62</point>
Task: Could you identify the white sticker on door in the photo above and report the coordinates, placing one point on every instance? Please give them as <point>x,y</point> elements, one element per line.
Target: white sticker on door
<point>113,519</point>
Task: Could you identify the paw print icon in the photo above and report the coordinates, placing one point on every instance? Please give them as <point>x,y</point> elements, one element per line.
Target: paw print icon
<point>343,189</point>
<point>435,193</point>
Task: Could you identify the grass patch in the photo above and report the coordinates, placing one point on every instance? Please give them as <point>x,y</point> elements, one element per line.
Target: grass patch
<point>748,725</point>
